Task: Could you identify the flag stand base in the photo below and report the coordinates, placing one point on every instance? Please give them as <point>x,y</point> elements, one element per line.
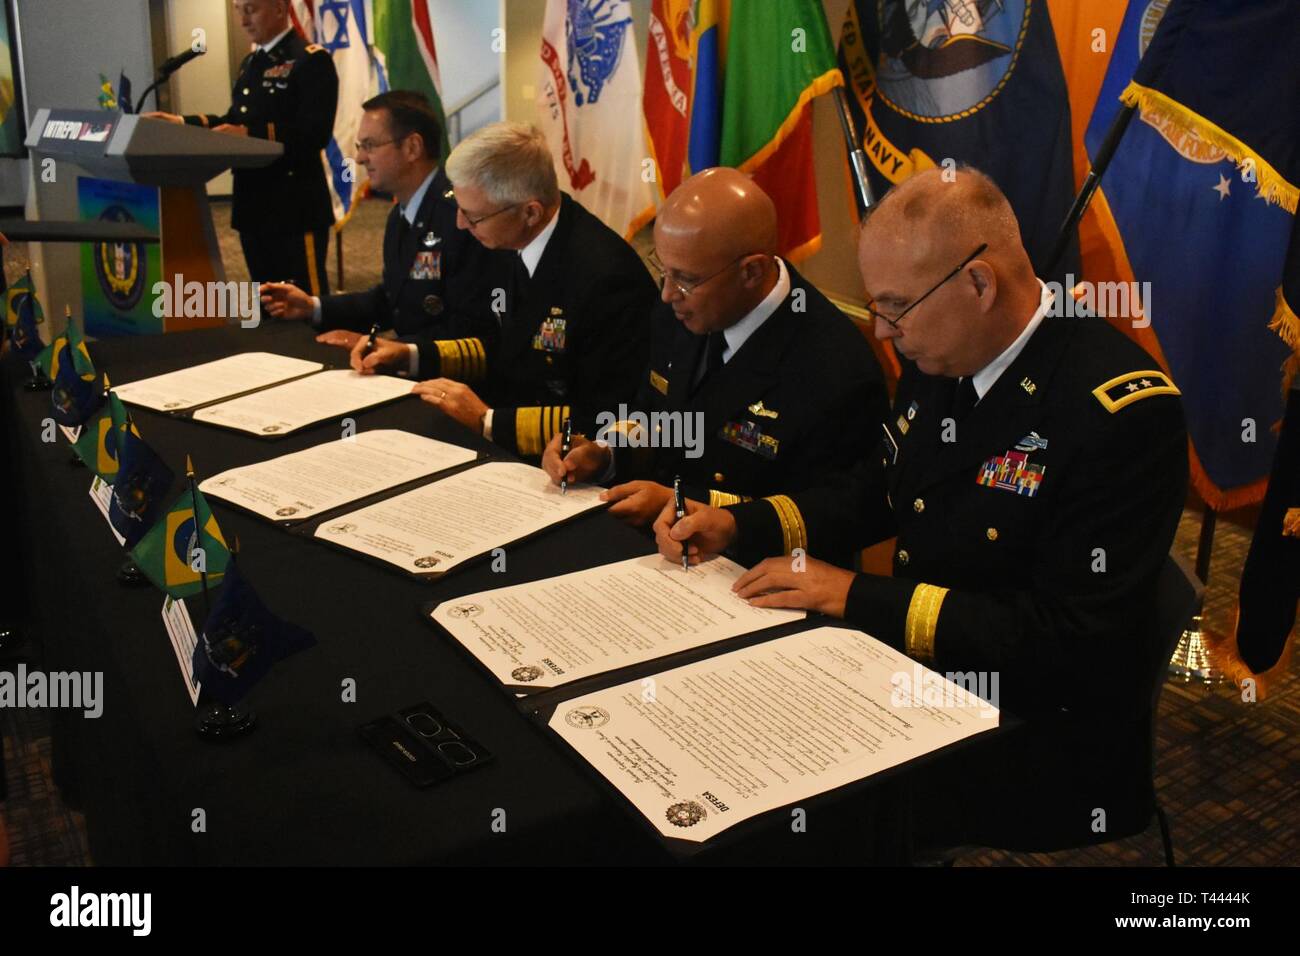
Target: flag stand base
<point>75,461</point>
<point>1192,661</point>
<point>10,638</point>
<point>221,722</point>
<point>38,384</point>
<point>130,576</point>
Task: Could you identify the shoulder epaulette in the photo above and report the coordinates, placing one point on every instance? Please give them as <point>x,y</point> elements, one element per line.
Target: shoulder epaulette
<point>315,48</point>
<point>1123,390</point>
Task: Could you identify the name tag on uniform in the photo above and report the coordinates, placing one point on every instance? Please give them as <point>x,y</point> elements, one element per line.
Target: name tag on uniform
<point>658,382</point>
<point>427,265</point>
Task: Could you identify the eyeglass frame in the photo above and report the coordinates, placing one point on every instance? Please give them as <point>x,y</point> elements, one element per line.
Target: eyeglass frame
<point>370,147</point>
<point>475,222</point>
<point>687,291</point>
<point>893,323</point>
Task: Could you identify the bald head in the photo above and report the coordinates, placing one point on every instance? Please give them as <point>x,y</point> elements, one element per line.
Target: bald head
<point>723,211</point>
<point>923,229</point>
<point>716,236</point>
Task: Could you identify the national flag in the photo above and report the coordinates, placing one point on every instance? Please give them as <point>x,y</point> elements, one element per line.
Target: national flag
<point>241,640</point>
<point>66,361</point>
<point>23,317</point>
<point>591,87</point>
<point>168,552</point>
<point>978,82</point>
<point>1200,202</point>
<point>140,488</point>
<point>97,445</point>
<point>376,45</point>
<point>666,100</point>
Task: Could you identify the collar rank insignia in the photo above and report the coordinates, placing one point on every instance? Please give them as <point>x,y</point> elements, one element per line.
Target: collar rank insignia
<point>911,411</point>
<point>903,424</point>
<point>758,409</point>
<point>1123,390</point>
<point>1012,471</point>
<point>1028,385</point>
<point>1032,442</point>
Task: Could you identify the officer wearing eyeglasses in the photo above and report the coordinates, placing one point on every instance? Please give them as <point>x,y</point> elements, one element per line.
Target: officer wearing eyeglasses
<point>756,384</point>
<point>571,314</point>
<point>1033,470</point>
<point>437,279</point>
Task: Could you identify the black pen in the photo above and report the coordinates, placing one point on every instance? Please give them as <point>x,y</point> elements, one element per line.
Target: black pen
<point>370,342</point>
<point>565,443</point>
<point>679,500</point>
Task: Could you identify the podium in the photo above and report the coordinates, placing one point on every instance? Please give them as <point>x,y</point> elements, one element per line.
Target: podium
<point>176,159</point>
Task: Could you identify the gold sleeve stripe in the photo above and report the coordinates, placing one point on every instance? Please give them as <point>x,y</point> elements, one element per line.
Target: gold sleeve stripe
<point>720,499</point>
<point>923,621</point>
<point>793,532</point>
<point>461,359</point>
<point>528,430</point>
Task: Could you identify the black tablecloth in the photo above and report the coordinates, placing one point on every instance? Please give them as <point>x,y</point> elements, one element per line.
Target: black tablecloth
<point>302,788</point>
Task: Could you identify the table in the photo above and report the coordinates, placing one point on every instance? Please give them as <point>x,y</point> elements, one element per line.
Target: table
<point>302,788</point>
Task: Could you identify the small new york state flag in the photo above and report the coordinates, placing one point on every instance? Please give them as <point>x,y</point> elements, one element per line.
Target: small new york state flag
<point>183,544</point>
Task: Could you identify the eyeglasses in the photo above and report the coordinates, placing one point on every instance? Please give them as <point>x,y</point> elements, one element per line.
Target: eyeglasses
<point>370,145</point>
<point>899,318</point>
<point>687,288</point>
<point>474,221</point>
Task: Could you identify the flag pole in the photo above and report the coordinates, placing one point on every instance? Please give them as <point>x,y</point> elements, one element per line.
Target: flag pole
<point>38,382</point>
<point>857,158</point>
<point>198,535</point>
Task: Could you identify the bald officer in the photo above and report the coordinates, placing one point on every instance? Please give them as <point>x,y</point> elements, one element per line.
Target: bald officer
<point>758,383</point>
<point>286,91</point>
<point>1033,471</point>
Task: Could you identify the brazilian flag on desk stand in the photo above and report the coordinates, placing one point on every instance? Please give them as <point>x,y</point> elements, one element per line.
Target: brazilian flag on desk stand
<point>23,315</point>
<point>66,361</point>
<point>165,553</point>
<point>241,641</point>
<point>97,445</point>
<point>140,490</point>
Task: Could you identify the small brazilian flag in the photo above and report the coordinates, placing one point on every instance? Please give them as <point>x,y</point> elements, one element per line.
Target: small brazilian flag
<point>66,361</point>
<point>23,315</point>
<point>98,442</point>
<point>169,552</point>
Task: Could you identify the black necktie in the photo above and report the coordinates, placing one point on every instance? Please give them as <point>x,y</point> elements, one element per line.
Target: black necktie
<point>964,398</point>
<point>519,279</point>
<point>713,349</point>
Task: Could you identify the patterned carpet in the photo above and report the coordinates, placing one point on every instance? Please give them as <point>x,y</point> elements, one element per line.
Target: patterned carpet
<point>1227,772</point>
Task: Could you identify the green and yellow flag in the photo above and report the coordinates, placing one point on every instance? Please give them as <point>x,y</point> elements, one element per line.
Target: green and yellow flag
<point>167,552</point>
<point>99,440</point>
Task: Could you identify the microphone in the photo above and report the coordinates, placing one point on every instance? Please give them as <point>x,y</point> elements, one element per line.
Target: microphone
<point>179,60</point>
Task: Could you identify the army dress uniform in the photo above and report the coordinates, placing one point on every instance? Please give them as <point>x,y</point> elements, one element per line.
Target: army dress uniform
<point>437,280</point>
<point>802,396</point>
<point>1031,530</point>
<point>283,211</point>
<point>572,338</point>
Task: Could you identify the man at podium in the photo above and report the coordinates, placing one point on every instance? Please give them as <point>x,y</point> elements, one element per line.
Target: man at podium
<point>287,92</point>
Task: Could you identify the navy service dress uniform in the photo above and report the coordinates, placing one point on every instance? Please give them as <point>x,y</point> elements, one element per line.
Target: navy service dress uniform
<point>803,396</point>
<point>1031,531</point>
<point>283,211</point>
<point>572,339</point>
<point>437,280</point>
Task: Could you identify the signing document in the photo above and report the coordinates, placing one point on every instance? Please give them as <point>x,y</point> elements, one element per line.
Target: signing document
<point>304,401</point>
<point>437,526</point>
<point>309,482</point>
<point>700,748</point>
<point>550,632</point>
<point>212,381</point>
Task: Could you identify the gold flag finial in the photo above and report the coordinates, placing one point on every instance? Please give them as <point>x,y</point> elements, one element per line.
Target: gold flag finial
<point>189,467</point>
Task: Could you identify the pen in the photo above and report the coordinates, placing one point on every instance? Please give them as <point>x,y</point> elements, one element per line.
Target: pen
<point>370,342</point>
<point>564,453</point>
<point>679,501</point>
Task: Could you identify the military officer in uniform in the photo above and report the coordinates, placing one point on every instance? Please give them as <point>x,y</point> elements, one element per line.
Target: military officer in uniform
<point>1033,471</point>
<point>287,91</point>
<point>766,384</point>
<point>573,307</point>
<point>437,280</point>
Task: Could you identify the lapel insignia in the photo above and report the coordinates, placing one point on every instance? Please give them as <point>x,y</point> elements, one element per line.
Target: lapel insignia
<point>903,424</point>
<point>749,436</point>
<point>427,265</point>
<point>1028,385</point>
<point>430,240</point>
<point>658,382</point>
<point>1012,471</point>
<point>911,411</point>
<point>1031,442</point>
<point>1124,390</point>
<point>758,409</point>
<point>550,335</point>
